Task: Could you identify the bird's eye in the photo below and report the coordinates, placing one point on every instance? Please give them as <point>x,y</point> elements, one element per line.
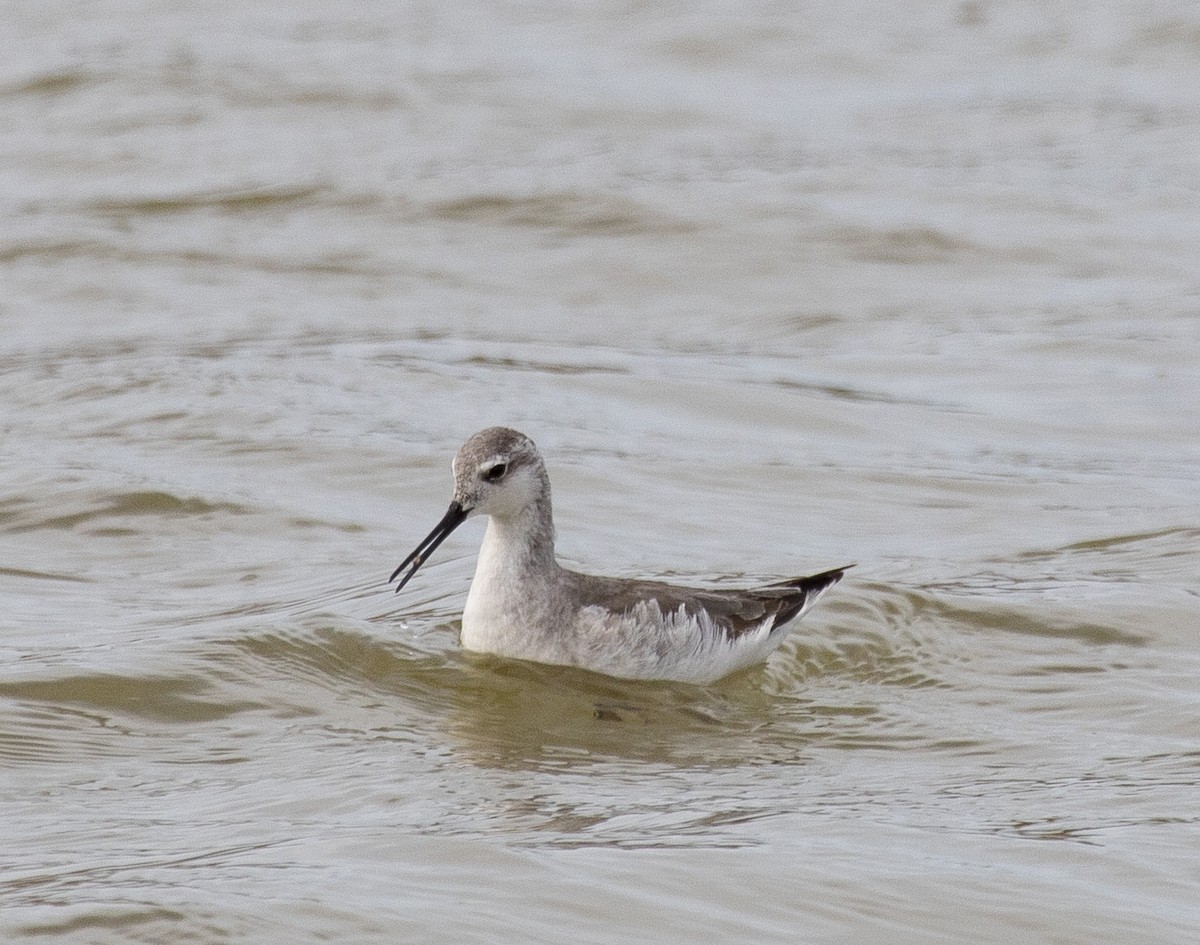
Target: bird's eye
<point>496,473</point>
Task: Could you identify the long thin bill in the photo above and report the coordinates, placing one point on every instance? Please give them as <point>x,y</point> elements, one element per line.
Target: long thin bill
<point>450,521</point>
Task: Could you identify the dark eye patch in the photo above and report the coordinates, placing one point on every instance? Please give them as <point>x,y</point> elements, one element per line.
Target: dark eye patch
<point>496,473</point>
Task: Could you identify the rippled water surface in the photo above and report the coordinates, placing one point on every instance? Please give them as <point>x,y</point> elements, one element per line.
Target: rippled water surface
<point>775,288</point>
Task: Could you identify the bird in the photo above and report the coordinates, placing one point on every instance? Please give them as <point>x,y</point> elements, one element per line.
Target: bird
<point>524,605</point>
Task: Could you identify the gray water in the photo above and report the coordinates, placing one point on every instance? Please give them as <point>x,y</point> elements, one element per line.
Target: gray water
<point>775,288</point>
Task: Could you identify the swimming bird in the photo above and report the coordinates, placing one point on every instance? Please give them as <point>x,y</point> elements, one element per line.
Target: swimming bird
<point>523,604</point>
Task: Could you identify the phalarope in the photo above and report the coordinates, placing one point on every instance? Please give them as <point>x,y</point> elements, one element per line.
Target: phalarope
<point>523,604</point>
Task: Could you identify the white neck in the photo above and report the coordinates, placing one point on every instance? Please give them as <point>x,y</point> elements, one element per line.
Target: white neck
<point>516,558</point>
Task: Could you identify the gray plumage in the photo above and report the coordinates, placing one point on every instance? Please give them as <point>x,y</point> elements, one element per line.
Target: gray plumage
<point>523,604</point>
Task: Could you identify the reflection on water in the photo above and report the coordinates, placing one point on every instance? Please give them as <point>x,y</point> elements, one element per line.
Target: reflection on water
<point>899,708</point>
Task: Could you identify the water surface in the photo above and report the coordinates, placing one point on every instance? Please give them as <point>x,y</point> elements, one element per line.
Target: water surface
<point>774,290</point>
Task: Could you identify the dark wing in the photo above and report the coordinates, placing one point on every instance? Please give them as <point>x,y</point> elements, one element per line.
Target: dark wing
<point>802,590</point>
<point>736,612</point>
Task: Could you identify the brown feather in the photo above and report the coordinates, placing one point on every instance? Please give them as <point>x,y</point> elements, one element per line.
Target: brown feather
<point>735,612</point>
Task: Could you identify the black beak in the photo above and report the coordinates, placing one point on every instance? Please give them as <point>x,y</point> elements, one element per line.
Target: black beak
<point>450,521</point>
